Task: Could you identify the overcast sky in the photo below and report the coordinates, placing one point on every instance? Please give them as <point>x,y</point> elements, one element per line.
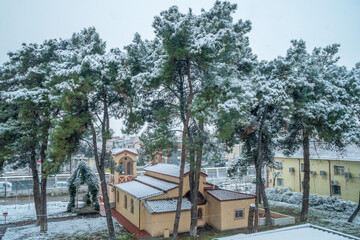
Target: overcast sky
<point>274,22</point>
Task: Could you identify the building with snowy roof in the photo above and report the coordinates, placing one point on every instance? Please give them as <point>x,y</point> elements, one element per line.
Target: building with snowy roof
<point>148,203</point>
<point>332,173</point>
<point>299,232</point>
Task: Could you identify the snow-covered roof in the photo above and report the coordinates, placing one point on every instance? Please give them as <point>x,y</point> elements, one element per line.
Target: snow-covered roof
<point>116,151</point>
<point>227,195</point>
<point>157,183</point>
<point>139,190</point>
<point>160,206</point>
<point>299,232</point>
<point>167,169</point>
<point>317,151</point>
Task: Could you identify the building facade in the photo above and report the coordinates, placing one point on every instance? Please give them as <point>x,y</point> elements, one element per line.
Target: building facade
<point>331,173</point>
<point>149,201</point>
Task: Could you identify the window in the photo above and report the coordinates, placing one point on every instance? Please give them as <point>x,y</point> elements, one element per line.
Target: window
<point>302,167</point>
<point>125,202</point>
<point>336,190</point>
<point>200,213</point>
<point>239,213</point>
<point>128,168</point>
<point>132,206</point>
<point>280,182</point>
<point>117,196</point>
<point>339,170</point>
<point>279,165</point>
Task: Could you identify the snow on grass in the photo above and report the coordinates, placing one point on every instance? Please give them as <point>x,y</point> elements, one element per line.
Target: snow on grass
<point>26,212</point>
<point>324,211</point>
<point>57,230</point>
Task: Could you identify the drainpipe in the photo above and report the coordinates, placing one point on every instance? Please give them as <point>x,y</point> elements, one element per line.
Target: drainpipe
<point>299,174</point>
<point>330,178</point>
<point>139,214</point>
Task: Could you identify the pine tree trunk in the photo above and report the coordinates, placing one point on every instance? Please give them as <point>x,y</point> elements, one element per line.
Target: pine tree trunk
<point>100,163</point>
<point>306,191</point>
<point>194,188</point>
<point>351,218</point>
<point>268,221</point>
<point>193,195</point>
<point>258,165</point>
<point>36,186</point>
<point>43,208</point>
<point>183,154</point>
<point>100,168</point>
<point>256,222</point>
<point>251,219</point>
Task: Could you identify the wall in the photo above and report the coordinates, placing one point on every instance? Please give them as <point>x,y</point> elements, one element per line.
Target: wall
<point>157,223</point>
<point>132,217</point>
<point>213,211</point>
<point>162,176</point>
<point>321,184</point>
<point>228,208</point>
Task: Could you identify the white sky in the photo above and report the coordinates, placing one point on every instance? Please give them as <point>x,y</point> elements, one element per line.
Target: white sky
<point>274,23</point>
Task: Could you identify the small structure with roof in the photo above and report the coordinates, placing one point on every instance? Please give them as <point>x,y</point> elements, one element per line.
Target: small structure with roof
<point>148,203</point>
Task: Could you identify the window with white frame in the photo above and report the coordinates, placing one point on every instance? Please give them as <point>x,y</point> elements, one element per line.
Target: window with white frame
<point>339,170</point>
<point>280,182</point>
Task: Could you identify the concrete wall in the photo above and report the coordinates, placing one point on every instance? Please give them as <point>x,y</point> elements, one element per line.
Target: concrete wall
<point>320,184</point>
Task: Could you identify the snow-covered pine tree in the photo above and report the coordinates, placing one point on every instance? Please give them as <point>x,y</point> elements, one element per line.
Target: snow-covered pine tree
<point>258,124</point>
<point>28,90</point>
<point>95,91</point>
<point>320,109</point>
<point>191,60</point>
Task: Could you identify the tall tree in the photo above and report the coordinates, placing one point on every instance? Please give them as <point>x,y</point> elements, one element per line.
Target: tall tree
<point>183,70</point>
<point>29,91</point>
<point>320,110</point>
<point>262,122</point>
<point>95,91</point>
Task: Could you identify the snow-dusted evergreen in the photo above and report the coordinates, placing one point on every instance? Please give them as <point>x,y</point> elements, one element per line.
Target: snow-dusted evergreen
<point>83,174</point>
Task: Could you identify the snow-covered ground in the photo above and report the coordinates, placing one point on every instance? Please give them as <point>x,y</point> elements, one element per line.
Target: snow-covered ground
<point>27,212</point>
<point>57,230</point>
<point>324,211</point>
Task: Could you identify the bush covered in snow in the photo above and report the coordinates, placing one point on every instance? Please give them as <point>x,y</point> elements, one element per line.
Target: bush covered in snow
<point>318,202</point>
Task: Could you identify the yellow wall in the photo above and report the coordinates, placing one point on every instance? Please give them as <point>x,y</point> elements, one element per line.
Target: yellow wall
<point>157,223</point>
<point>228,208</point>
<point>221,214</point>
<point>132,217</point>
<point>320,184</point>
<point>111,193</point>
<point>162,176</point>
<point>213,211</point>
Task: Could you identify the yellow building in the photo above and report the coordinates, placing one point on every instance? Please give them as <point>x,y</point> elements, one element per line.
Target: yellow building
<point>148,202</point>
<point>331,173</point>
